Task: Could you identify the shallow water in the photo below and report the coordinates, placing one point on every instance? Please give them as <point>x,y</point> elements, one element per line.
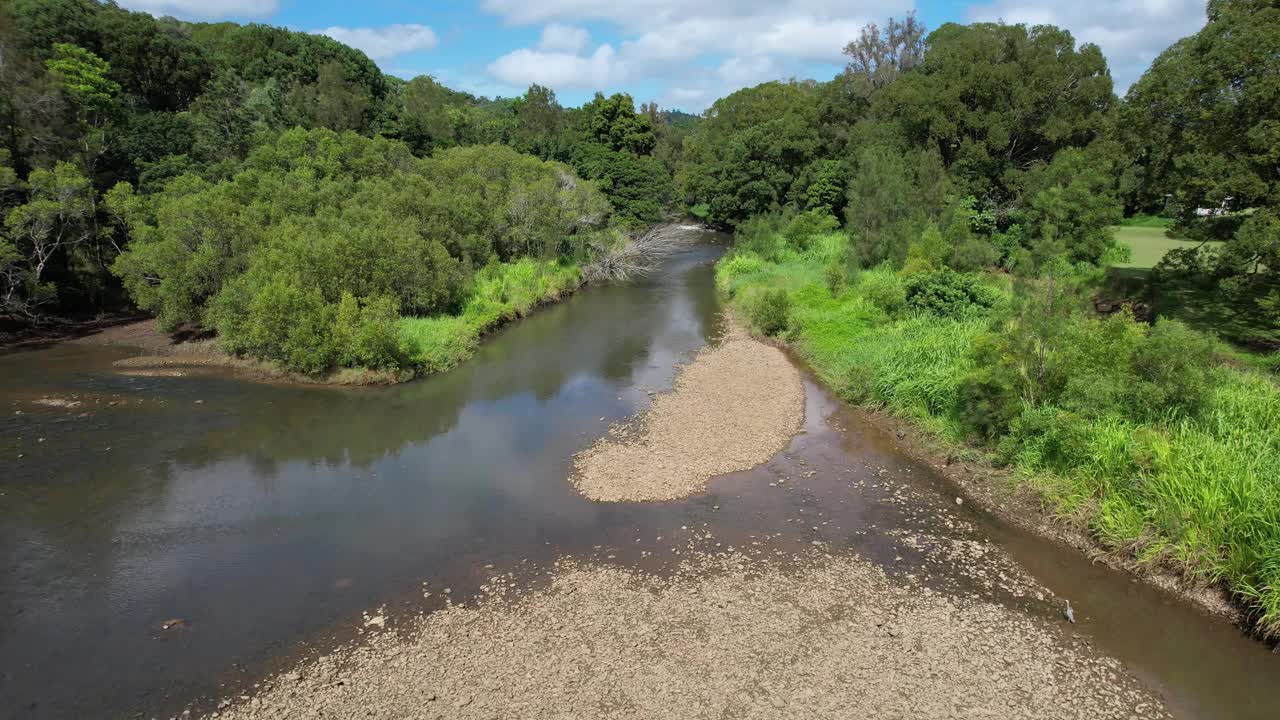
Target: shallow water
<point>265,516</point>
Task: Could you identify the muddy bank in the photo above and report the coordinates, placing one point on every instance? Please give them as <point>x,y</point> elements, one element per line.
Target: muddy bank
<point>737,404</point>
<point>729,636</point>
<point>177,354</point>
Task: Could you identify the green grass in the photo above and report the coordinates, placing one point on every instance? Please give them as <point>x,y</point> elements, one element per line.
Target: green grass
<point>1148,244</point>
<point>502,293</point>
<point>1149,221</point>
<point>1204,307</point>
<point>1201,495</point>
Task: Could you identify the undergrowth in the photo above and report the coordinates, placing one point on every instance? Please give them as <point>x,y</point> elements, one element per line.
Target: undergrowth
<point>502,292</point>
<point>1195,488</point>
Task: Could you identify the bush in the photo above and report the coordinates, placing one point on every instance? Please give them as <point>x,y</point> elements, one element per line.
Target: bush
<point>761,235</point>
<point>769,311</point>
<point>737,265</point>
<point>834,274</point>
<point>802,229</point>
<point>985,406</point>
<point>884,289</point>
<point>947,293</point>
<point>365,333</point>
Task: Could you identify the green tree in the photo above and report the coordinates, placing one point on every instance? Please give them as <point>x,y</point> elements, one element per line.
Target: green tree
<point>881,216</point>
<point>1071,206</point>
<point>751,152</point>
<point>995,100</point>
<point>55,220</point>
<point>540,123</point>
<point>612,121</point>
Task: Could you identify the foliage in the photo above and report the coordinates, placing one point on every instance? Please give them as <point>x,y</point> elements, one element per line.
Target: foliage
<point>319,216</point>
<point>1133,428</point>
<point>769,311</point>
<point>880,216</point>
<point>988,97</point>
<point>751,151</point>
<point>1071,209</point>
<point>946,293</point>
<point>612,121</point>
<point>877,58</point>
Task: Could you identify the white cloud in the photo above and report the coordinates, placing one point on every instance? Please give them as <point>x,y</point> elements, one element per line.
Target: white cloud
<point>204,9</point>
<point>747,71</point>
<point>709,48</point>
<point>563,38</point>
<point>559,70</point>
<point>384,42</point>
<point>706,48</point>
<point>1131,33</point>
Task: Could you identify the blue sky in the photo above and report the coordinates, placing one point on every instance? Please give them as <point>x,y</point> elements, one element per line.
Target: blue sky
<point>681,53</point>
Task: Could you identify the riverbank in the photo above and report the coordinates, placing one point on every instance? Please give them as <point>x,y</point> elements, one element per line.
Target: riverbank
<point>430,345</point>
<point>716,420</point>
<point>179,354</point>
<point>731,634</point>
<point>1187,502</point>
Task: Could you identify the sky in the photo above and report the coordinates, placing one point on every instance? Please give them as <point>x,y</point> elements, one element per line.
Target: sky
<point>681,53</point>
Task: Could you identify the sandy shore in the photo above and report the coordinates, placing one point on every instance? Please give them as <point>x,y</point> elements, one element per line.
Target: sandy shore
<point>731,636</point>
<point>735,406</point>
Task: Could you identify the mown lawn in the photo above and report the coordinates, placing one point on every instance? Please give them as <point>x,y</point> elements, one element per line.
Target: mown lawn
<point>1203,306</point>
<point>1148,244</point>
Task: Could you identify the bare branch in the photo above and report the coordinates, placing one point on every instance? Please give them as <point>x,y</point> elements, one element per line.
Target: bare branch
<point>636,258</point>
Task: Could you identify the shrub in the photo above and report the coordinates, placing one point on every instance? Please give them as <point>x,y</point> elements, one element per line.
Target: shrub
<point>737,265</point>
<point>985,406</point>
<point>1174,366</point>
<point>761,235</point>
<point>365,334</point>
<point>803,228</point>
<point>946,293</point>
<point>884,289</point>
<point>833,275</point>
<point>769,311</point>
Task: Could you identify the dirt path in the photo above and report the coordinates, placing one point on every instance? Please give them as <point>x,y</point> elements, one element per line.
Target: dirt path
<point>735,406</point>
<point>731,636</point>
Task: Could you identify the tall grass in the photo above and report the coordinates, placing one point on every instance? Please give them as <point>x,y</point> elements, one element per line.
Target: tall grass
<point>502,292</point>
<point>1201,494</point>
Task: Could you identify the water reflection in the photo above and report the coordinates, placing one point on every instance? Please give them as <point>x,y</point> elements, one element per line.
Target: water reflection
<point>258,514</point>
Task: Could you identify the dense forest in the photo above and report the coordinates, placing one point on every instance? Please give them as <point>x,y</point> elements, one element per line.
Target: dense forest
<point>277,187</point>
<point>959,227</point>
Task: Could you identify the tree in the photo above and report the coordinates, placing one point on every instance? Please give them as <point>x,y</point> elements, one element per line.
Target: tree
<point>222,118</point>
<point>36,122</point>
<point>881,218</point>
<point>1071,206</point>
<point>540,122</point>
<point>877,58</point>
<point>612,121</point>
<point>85,80</point>
<point>752,150</point>
<point>1203,123</point>
<point>995,100</point>
<point>55,219</point>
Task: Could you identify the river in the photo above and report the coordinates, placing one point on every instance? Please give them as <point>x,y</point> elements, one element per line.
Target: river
<point>173,538</point>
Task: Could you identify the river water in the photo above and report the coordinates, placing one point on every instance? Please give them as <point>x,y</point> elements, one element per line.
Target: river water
<point>170,539</point>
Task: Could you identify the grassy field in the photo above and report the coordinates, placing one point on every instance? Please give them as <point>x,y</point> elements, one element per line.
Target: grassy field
<point>1204,307</point>
<point>1199,493</point>
<point>1148,244</point>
